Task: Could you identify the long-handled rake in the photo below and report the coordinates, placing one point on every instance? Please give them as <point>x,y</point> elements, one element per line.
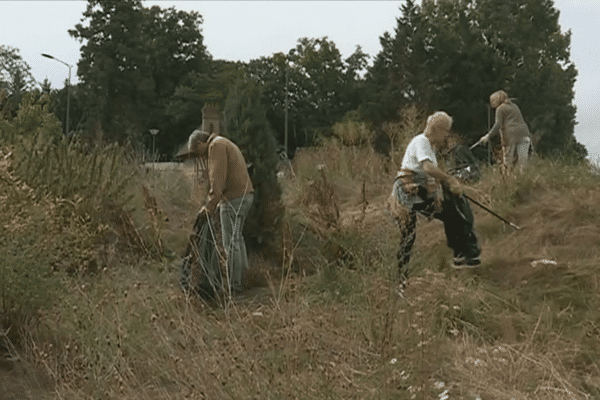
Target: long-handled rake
<point>492,212</point>
<point>476,144</point>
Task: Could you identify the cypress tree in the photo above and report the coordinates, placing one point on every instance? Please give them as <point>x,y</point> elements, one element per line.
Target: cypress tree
<point>245,123</point>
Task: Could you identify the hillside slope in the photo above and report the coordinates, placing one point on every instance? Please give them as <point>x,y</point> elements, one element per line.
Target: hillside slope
<point>327,322</point>
<point>536,295</point>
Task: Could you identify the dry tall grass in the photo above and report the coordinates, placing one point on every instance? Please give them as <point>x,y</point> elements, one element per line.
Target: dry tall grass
<point>327,323</point>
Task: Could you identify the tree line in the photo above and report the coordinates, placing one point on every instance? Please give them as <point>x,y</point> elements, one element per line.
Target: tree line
<point>148,68</point>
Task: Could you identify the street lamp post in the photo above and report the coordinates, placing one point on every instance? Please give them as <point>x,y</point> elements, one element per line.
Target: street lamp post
<point>287,97</point>
<point>287,78</point>
<point>153,132</point>
<point>489,143</point>
<point>68,87</point>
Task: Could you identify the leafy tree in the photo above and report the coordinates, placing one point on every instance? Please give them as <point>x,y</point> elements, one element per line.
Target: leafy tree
<point>321,88</point>
<point>270,74</point>
<point>194,92</point>
<point>109,65</point>
<point>15,79</point>
<point>452,55</point>
<point>247,125</point>
<point>132,60</point>
<point>320,76</point>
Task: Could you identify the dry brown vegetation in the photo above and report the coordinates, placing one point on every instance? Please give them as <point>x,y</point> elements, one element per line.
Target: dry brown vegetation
<point>326,323</point>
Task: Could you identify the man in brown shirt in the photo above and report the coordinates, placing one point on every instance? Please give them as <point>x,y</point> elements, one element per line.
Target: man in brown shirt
<point>230,187</point>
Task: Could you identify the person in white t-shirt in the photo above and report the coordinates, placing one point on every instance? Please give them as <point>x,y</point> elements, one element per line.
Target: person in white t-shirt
<point>421,186</point>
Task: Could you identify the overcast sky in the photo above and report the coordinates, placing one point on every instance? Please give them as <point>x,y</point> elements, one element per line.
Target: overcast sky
<point>241,31</point>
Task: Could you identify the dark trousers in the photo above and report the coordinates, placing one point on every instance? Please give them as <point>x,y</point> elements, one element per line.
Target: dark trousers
<point>457,216</point>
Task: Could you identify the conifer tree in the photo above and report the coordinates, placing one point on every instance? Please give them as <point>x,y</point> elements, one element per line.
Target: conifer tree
<point>245,123</point>
<point>451,55</point>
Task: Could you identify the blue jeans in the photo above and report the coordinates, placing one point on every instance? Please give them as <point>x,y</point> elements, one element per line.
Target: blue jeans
<point>233,215</point>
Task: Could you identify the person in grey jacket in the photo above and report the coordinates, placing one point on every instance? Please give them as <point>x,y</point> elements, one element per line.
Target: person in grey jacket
<point>515,136</point>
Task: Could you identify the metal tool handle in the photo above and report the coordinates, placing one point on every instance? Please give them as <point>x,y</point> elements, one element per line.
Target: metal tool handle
<point>493,213</point>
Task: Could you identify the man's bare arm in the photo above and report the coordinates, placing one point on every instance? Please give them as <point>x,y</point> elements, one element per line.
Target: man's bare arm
<point>440,175</point>
<point>435,172</point>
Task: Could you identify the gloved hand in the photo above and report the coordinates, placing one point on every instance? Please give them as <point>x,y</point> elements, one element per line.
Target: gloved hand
<point>455,187</point>
<point>484,138</point>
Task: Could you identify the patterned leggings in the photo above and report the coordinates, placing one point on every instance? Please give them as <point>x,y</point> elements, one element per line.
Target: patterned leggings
<point>457,216</point>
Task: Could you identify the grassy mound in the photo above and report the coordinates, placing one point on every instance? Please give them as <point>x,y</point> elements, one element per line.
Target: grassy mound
<point>324,320</point>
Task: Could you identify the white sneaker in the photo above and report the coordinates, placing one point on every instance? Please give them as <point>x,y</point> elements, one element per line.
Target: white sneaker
<point>466,263</point>
<point>401,289</point>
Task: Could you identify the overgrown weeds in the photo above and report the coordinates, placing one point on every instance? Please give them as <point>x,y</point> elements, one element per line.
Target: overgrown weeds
<point>525,325</point>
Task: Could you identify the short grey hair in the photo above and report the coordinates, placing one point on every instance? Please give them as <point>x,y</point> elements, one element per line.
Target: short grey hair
<point>196,138</point>
<point>439,119</point>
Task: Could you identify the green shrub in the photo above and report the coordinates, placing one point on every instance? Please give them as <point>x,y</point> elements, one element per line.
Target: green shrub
<point>50,163</point>
<point>26,279</point>
<point>33,120</point>
<point>54,193</point>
